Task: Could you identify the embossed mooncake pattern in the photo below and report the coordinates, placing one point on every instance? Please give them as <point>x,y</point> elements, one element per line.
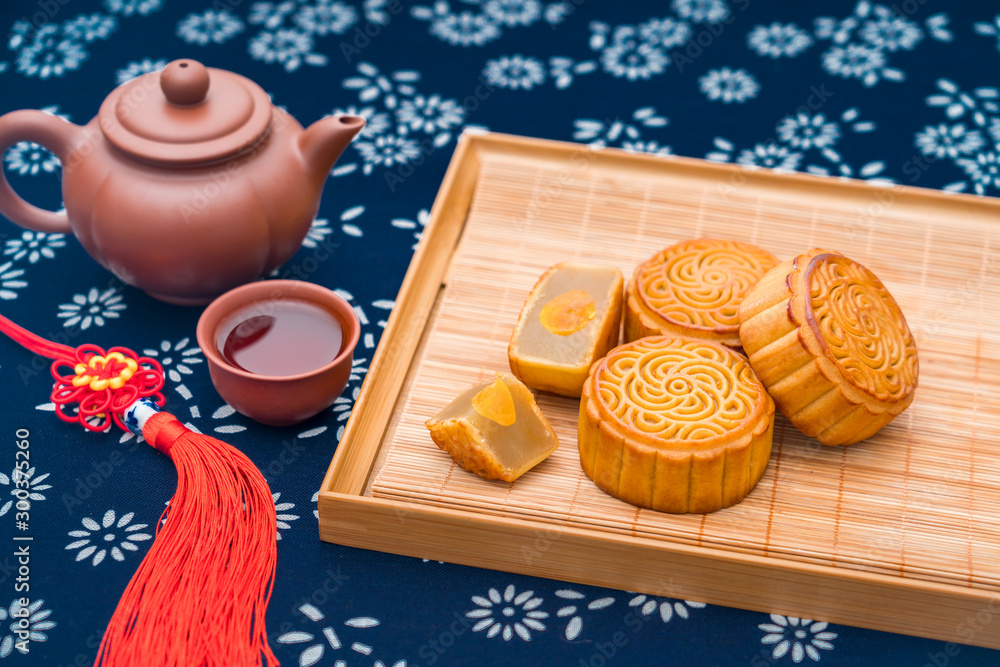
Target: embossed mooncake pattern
<point>831,345</point>
<point>675,424</point>
<point>694,288</point>
<point>863,328</point>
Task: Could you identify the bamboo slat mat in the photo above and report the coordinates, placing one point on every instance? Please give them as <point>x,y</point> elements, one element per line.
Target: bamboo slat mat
<point>918,500</point>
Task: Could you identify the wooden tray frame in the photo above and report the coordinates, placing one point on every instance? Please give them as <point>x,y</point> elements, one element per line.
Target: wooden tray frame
<point>349,517</point>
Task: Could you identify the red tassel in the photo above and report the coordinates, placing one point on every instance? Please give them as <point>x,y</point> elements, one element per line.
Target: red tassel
<point>199,596</point>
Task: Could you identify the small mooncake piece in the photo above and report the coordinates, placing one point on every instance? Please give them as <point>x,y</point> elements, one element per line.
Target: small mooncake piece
<point>831,345</point>
<point>675,424</point>
<point>571,318</point>
<point>694,289</point>
<point>494,429</point>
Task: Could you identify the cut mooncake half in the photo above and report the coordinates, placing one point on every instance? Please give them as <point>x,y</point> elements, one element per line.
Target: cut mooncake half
<point>831,345</point>
<point>494,429</point>
<point>675,424</point>
<point>694,289</point>
<point>571,318</point>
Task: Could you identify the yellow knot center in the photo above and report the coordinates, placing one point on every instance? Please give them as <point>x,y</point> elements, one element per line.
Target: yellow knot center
<point>110,371</point>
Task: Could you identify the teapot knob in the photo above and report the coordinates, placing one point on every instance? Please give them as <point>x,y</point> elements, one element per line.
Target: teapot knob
<point>184,82</point>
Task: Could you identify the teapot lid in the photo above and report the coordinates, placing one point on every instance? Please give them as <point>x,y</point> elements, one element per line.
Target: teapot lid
<point>186,114</point>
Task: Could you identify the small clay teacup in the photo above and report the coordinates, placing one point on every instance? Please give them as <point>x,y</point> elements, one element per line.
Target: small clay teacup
<point>252,315</point>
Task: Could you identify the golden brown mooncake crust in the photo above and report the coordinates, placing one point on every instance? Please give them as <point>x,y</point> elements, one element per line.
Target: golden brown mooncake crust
<point>831,345</point>
<point>694,288</point>
<point>675,424</point>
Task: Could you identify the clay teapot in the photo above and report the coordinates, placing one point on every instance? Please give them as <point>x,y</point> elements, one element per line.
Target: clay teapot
<point>187,183</point>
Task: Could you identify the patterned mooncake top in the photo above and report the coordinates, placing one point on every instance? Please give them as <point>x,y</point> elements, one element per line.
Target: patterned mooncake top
<point>861,326</point>
<point>699,284</point>
<point>666,388</point>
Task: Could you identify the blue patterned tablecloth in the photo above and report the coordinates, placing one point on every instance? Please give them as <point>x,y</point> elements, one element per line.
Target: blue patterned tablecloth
<point>903,92</point>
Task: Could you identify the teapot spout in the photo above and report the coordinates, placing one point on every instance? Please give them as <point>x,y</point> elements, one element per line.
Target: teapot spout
<point>324,141</point>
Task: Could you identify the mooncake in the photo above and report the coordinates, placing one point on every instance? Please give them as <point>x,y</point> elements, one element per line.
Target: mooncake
<point>694,289</point>
<point>675,424</point>
<point>571,318</point>
<point>831,345</point>
<point>494,429</point>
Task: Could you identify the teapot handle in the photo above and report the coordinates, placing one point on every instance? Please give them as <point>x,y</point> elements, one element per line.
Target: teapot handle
<point>53,133</point>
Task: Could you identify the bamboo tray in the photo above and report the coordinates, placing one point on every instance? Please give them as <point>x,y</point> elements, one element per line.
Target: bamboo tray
<point>898,533</point>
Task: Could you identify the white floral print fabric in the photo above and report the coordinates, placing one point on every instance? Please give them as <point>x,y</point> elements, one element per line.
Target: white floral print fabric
<point>888,92</point>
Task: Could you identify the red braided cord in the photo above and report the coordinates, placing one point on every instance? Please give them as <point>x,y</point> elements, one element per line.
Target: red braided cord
<point>34,342</point>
